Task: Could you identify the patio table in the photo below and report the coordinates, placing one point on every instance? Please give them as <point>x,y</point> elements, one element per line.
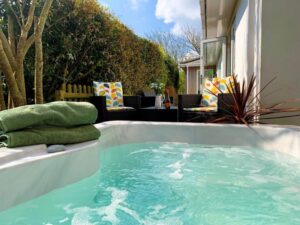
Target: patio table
<point>159,114</point>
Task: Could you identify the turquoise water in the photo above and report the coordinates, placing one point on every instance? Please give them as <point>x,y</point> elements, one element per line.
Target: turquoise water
<point>174,184</point>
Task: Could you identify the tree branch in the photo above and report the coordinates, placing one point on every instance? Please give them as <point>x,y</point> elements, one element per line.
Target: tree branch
<point>29,43</point>
<point>21,12</point>
<point>44,15</point>
<point>9,75</point>
<point>7,50</point>
<point>11,35</point>
<point>30,16</point>
<point>24,31</point>
<point>13,12</point>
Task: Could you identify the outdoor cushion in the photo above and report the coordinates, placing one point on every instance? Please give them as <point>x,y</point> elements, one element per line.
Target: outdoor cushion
<point>113,92</point>
<point>202,109</point>
<point>213,88</point>
<point>209,92</point>
<point>120,108</point>
<point>224,83</point>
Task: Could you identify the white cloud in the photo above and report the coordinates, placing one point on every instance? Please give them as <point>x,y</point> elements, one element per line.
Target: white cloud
<point>135,4</point>
<point>179,12</point>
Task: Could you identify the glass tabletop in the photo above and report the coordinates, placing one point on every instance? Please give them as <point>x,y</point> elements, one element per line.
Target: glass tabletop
<point>160,108</point>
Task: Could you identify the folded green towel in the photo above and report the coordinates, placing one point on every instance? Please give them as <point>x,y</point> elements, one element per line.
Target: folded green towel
<point>62,114</point>
<point>49,135</point>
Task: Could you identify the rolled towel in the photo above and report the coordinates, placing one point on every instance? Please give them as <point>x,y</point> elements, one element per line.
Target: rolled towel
<point>49,135</point>
<point>62,114</point>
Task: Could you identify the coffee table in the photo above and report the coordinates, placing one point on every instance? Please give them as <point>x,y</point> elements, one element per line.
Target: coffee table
<point>159,114</point>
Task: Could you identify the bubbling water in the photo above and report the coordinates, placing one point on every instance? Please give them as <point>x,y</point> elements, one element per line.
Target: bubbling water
<point>174,184</point>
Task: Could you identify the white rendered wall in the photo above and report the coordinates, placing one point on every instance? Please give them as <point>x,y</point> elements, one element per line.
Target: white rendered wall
<point>220,67</point>
<point>267,44</point>
<point>280,52</point>
<point>241,27</point>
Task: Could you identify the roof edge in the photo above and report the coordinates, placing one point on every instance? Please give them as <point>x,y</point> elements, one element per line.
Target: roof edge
<point>189,60</point>
<point>203,18</point>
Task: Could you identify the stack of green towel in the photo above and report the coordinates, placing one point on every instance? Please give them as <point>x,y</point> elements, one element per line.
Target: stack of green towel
<point>52,123</point>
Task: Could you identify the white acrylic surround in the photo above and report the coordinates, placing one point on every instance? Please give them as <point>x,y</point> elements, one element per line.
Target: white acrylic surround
<point>285,139</point>
<point>26,173</point>
<point>37,172</point>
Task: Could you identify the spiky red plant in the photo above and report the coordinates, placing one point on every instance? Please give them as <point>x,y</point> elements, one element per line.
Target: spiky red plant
<point>245,107</point>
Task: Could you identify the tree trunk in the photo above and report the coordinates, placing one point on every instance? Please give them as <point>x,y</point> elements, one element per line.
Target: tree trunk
<point>20,77</point>
<point>39,25</point>
<point>38,76</point>
<point>10,78</point>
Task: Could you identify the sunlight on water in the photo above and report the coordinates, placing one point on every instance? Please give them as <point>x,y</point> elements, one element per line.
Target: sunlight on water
<point>174,184</point>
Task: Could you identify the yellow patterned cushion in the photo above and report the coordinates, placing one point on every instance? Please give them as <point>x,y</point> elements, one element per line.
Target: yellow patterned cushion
<point>119,108</point>
<point>213,88</point>
<point>208,95</point>
<point>202,109</point>
<point>113,92</point>
<point>225,83</point>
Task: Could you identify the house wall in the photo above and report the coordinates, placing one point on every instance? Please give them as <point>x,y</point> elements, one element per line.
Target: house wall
<point>191,88</point>
<point>267,44</point>
<point>280,50</point>
<point>220,67</point>
<point>241,27</point>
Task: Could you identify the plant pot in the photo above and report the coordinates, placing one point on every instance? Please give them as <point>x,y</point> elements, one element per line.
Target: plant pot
<point>158,101</point>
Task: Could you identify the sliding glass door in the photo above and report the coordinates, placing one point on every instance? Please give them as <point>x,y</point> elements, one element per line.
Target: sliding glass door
<point>212,59</point>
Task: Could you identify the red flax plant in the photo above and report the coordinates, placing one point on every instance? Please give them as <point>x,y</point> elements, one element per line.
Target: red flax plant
<point>245,107</point>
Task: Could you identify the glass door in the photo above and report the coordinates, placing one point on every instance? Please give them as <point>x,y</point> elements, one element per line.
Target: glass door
<point>212,59</point>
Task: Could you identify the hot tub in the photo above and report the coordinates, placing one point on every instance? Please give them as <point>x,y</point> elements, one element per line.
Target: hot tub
<point>28,173</point>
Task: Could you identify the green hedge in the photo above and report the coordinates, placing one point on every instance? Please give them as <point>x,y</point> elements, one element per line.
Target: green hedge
<point>84,42</point>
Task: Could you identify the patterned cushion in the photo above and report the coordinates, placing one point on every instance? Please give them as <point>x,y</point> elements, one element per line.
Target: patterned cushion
<point>208,97</point>
<point>224,84</point>
<point>202,109</point>
<point>213,88</point>
<point>120,108</point>
<point>113,92</point>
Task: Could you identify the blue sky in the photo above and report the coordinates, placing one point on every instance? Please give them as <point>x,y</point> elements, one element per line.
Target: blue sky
<point>146,16</point>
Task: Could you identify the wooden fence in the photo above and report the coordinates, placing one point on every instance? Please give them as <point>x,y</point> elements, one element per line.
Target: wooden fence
<point>77,93</point>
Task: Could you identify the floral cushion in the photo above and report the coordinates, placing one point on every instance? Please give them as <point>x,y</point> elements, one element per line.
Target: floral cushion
<point>202,109</point>
<point>213,88</point>
<point>113,92</point>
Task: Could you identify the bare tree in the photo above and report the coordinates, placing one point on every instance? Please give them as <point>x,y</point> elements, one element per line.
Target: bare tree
<point>14,46</point>
<point>192,38</point>
<point>174,45</point>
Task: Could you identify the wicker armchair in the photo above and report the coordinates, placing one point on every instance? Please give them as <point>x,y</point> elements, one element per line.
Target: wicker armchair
<point>129,112</point>
<point>186,102</point>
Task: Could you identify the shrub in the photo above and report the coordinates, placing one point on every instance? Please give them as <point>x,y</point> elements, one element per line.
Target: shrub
<point>84,42</point>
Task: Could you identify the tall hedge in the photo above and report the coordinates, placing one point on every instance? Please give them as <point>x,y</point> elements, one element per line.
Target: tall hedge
<point>84,42</point>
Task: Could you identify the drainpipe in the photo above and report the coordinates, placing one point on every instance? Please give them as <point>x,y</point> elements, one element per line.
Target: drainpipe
<point>202,68</point>
<point>187,79</point>
<point>197,82</point>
